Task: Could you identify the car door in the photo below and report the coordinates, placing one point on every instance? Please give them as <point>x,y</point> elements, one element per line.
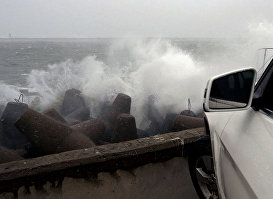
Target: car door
<point>246,149</point>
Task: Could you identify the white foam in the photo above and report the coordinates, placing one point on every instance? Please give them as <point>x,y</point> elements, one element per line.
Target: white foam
<point>141,68</point>
<point>7,93</point>
<point>149,68</point>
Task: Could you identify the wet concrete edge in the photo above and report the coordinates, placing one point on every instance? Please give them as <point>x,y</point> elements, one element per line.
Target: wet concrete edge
<point>87,163</point>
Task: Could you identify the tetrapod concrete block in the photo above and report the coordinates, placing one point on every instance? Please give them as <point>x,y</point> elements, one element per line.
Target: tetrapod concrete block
<point>12,138</point>
<point>125,128</point>
<point>50,136</point>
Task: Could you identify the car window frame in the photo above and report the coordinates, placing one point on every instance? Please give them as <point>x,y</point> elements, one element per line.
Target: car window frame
<point>261,88</point>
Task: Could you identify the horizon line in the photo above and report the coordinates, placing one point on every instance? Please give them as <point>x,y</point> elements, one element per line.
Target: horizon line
<point>119,37</point>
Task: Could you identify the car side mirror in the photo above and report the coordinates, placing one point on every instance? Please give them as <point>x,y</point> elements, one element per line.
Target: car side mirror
<point>230,91</point>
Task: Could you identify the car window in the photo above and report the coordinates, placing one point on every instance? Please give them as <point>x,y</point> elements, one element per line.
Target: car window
<point>268,95</point>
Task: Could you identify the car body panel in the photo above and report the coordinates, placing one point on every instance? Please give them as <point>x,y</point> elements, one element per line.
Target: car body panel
<point>216,127</point>
<point>216,146</point>
<point>248,139</point>
<point>242,143</point>
<point>234,184</point>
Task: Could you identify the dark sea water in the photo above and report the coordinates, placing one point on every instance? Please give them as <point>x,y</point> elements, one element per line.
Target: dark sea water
<point>19,56</point>
<point>171,70</point>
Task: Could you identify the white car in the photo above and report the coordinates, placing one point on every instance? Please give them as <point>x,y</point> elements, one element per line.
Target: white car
<point>235,159</point>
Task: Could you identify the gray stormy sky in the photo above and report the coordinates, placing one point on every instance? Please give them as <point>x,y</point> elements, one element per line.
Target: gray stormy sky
<point>137,18</point>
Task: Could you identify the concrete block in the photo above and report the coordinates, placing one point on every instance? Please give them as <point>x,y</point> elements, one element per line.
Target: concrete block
<point>183,122</point>
<point>121,104</point>
<point>54,114</point>
<point>188,113</point>
<point>50,136</point>
<point>12,138</point>
<point>73,100</point>
<point>168,123</point>
<point>141,133</point>
<point>8,156</point>
<point>71,121</point>
<point>74,141</point>
<point>125,128</point>
<point>80,114</point>
<point>93,129</point>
